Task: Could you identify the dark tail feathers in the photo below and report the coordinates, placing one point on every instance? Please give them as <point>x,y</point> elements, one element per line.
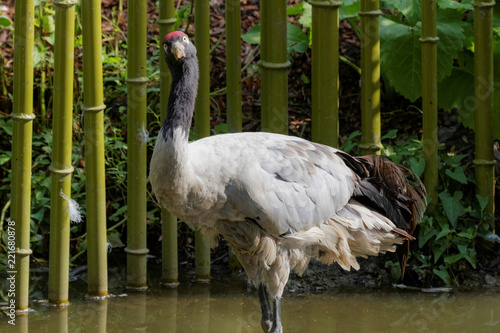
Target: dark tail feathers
<point>392,190</point>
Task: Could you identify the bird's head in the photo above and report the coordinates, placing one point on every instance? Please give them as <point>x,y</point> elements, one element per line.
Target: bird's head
<point>177,48</point>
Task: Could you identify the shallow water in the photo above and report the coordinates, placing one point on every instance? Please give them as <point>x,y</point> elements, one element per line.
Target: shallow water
<point>233,307</point>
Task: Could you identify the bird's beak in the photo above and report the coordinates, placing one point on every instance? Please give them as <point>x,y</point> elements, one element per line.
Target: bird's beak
<point>177,50</point>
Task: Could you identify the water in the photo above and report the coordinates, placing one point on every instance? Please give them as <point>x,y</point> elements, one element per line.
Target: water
<point>231,306</point>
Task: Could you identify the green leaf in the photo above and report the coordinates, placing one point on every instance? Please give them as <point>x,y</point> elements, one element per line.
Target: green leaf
<point>48,24</point>
<point>409,8</point>
<point>221,128</point>
<point>483,201</point>
<point>471,257</point>
<point>417,165</point>
<point>349,9</point>
<point>295,10</point>
<point>452,206</point>
<point>468,233</point>
<point>457,91</point>
<point>252,36</point>
<point>297,40</point>
<point>306,17</point>
<point>444,232</point>
<point>401,57</point>
<point>452,4</point>
<point>390,135</point>
<point>458,174</point>
<point>119,212</point>
<point>453,258</point>
<point>401,50</point>
<point>443,274</point>
<point>4,158</point>
<point>38,215</point>
<point>5,22</point>
<point>114,239</point>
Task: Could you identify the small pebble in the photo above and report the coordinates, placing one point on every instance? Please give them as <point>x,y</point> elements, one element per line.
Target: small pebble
<point>490,280</point>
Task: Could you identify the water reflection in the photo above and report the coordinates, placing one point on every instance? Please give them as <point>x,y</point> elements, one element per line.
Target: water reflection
<point>223,307</point>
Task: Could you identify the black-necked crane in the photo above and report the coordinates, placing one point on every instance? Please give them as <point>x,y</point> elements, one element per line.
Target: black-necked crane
<point>277,200</point>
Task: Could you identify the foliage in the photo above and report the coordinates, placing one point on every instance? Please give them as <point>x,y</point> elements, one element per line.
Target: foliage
<point>401,53</point>
<point>447,240</point>
<point>114,72</point>
<point>401,49</point>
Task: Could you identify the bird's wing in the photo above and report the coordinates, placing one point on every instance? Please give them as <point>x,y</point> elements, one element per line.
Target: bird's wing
<point>285,184</point>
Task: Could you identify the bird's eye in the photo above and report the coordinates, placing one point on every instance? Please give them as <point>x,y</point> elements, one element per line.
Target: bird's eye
<point>165,47</point>
<point>185,39</point>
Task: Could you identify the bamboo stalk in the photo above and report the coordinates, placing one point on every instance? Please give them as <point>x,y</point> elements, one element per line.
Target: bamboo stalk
<point>202,115</point>
<point>325,71</point>
<point>22,117</point>
<point>61,153</point>
<point>94,149</point>
<point>233,65</point>
<point>483,88</point>
<point>137,145</point>
<point>274,66</point>
<point>429,101</point>
<point>370,77</point>
<point>233,79</point>
<point>170,271</point>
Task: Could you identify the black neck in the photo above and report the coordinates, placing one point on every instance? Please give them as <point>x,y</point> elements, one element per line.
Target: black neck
<point>182,96</point>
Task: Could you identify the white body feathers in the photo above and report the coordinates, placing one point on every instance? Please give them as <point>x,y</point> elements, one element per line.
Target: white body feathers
<point>278,200</point>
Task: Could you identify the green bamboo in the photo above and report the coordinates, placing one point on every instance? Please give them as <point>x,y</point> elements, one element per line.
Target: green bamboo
<point>233,65</point>
<point>233,79</point>
<point>483,88</point>
<point>94,149</point>
<point>61,152</point>
<point>370,77</point>
<point>22,116</point>
<point>170,272</point>
<point>202,115</point>
<point>430,141</point>
<point>274,66</point>
<point>137,145</point>
<point>325,71</point>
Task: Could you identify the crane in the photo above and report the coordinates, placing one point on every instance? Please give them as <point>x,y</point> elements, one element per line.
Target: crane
<point>277,200</point>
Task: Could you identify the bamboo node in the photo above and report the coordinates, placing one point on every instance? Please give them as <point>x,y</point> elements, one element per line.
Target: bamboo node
<point>137,80</point>
<point>61,172</point>
<point>326,3</point>
<point>96,108</point>
<point>377,12</point>
<point>480,4</point>
<point>137,251</point>
<point>65,3</point>
<point>483,162</point>
<point>22,116</point>
<point>274,65</point>
<point>432,40</point>
<point>23,252</point>
<point>167,21</point>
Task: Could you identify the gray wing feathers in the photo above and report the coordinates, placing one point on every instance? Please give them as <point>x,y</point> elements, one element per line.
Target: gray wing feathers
<point>284,183</point>
<point>297,185</point>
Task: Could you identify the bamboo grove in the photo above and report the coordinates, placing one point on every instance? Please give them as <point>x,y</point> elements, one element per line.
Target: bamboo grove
<point>274,67</point>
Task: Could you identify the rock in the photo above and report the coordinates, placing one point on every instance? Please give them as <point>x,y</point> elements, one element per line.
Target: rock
<point>490,280</point>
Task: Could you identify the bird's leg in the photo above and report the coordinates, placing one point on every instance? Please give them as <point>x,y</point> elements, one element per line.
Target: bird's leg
<point>277,328</point>
<point>267,317</point>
